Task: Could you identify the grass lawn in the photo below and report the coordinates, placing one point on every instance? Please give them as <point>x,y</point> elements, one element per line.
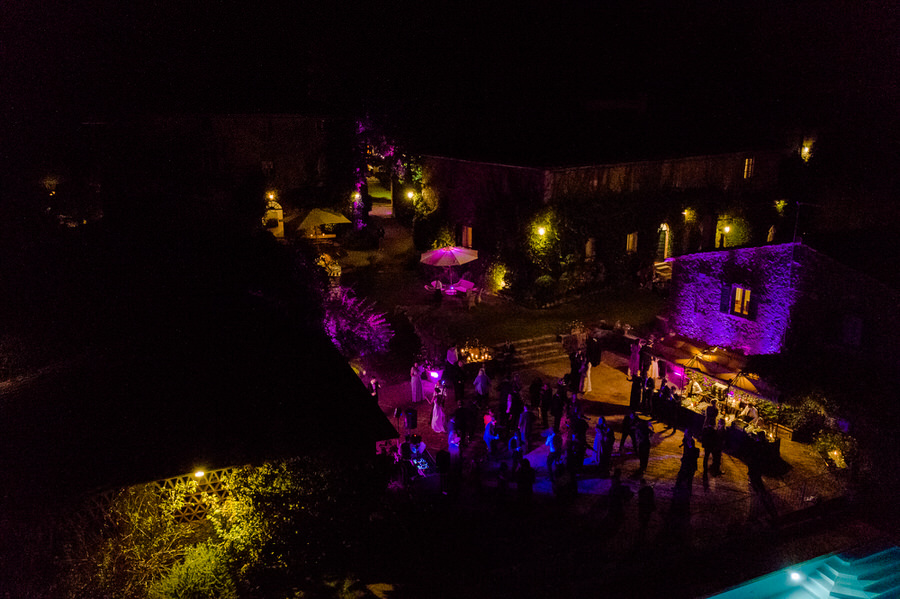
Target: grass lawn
<point>394,278</point>
<point>496,321</point>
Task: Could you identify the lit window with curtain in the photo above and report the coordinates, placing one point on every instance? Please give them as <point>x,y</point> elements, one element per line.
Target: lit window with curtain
<point>740,304</point>
<point>631,243</point>
<point>748,168</point>
<point>466,236</point>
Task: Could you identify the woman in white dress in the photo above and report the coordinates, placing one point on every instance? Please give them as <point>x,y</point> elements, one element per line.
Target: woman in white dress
<point>634,360</point>
<point>585,372</point>
<point>415,383</point>
<point>438,418</point>
<point>653,373</point>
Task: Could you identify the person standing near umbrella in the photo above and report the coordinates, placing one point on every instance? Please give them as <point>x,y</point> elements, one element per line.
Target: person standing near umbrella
<point>448,257</point>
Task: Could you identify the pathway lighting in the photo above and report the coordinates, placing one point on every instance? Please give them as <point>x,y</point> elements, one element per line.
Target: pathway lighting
<point>410,194</point>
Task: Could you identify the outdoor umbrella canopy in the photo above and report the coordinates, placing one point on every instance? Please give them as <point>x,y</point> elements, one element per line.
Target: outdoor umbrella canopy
<point>319,216</point>
<point>742,380</point>
<point>449,256</point>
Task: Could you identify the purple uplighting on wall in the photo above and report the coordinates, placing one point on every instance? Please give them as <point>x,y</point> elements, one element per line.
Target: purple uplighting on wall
<point>701,297</point>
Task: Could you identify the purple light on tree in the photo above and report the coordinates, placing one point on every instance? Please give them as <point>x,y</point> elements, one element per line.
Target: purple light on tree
<point>355,327</point>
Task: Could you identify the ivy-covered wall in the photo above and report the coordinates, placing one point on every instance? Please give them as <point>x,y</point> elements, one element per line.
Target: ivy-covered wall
<point>722,171</point>
<point>800,297</point>
<point>701,293</point>
<point>492,198</point>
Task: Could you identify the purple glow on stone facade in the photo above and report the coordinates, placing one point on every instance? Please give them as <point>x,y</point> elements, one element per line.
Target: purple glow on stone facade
<point>700,280</point>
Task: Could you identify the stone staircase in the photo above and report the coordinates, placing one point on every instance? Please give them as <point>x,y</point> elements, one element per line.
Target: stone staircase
<point>844,577</point>
<point>534,351</point>
<point>867,572</point>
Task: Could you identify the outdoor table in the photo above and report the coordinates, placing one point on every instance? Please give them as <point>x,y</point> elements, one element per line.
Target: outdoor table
<point>739,443</point>
<point>424,463</point>
<point>687,417</point>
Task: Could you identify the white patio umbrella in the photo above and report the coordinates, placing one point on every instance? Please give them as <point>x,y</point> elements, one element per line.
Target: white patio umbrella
<point>449,256</point>
<point>318,217</point>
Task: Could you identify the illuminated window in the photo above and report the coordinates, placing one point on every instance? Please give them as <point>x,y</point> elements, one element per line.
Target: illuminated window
<point>466,236</point>
<point>748,168</point>
<point>740,301</point>
<point>631,243</point>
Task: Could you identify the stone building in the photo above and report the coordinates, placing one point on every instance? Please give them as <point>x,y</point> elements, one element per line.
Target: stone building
<point>487,203</point>
<point>772,298</point>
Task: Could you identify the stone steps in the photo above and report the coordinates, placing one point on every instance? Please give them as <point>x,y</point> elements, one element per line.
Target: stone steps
<point>533,351</point>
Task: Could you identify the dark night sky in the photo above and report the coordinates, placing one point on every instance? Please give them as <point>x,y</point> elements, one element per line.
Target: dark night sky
<point>444,67</point>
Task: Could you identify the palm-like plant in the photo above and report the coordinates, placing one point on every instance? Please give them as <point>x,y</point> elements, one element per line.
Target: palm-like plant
<point>356,328</point>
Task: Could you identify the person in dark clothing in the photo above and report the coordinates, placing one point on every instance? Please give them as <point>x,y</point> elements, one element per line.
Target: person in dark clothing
<point>689,460</point>
<point>534,392</point>
<point>643,433</point>
<point>545,400</point>
<point>710,441</point>
<point>459,383</point>
<point>719,447</point>
<point>490,432</point>
<point>503,478</point>
<point>514,409</point>
<point>504,388</point>
<point>578,426</point>
<point>646,357</point>
<point>526,420</point>
<point>647,396</point>
<point>565,487</point>
<point>463,418</point>
<point>637,387</point>
<point>603,445</point>
<point>525,482</point>
<point>576,447</point>
<point>516,451</point>
<point>711,416</point>
<point>618,495</point>
<point>594,351</point>
<point>755,463</point>
<point>646,503</point>
<point>663,407</point>
<point>628,423</point>
<point>554,442</point>
<point>558,406</point>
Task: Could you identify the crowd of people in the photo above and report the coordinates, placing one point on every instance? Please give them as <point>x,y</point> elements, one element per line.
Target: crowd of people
<point>515,419</point>
<point>490,416</point>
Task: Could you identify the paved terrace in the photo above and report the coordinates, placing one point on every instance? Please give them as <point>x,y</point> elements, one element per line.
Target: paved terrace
<point>720,505</point>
